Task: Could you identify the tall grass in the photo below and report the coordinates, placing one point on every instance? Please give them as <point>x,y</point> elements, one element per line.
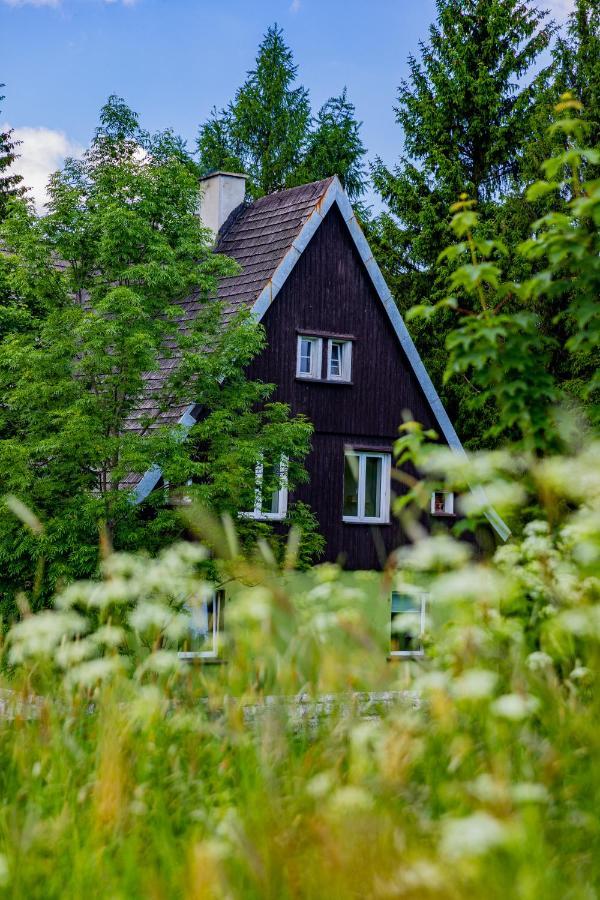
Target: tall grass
<point>126,773</point>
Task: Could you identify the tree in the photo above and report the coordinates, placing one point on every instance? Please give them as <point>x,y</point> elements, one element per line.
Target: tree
<point>335,147</point>
<point>577,58</point>
<point>83,402</point>
<point>10,182</point>
<point>268,132</point>
<point>467,112</point>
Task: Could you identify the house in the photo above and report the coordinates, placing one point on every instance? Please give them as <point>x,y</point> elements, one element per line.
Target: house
<point>338,351</point>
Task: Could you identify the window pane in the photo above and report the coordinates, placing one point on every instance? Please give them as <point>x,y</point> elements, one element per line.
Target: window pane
<point>270,489</point>
<point>373,487</point>
<point>336,360</point>
<point>351,484</point>
<point>305,356</point>
<point>406,623</point>
<point>204,626</point>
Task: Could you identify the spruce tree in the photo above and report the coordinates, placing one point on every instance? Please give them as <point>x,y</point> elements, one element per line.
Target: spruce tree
<point>268,131</point>
<point>10,183</point>
<point>467,111</point>
<point>335,147</point>
<point>577,56</point>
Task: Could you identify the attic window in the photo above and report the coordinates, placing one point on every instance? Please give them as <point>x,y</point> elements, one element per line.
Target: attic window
<point>442,503</point>
<point>339,360</point>
<point>310,353</point>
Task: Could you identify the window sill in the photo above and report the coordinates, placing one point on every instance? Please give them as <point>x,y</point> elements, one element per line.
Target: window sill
<point>397,655</point>
<point>336,381</point>
<point>353,520</point>
<point>263,517</point>
<point>443,515</point>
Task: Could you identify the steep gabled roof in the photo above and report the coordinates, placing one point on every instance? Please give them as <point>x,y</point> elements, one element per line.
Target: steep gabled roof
<point>267,238</point>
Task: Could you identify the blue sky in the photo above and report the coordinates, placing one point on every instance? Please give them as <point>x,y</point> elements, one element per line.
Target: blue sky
<point>172,60</point>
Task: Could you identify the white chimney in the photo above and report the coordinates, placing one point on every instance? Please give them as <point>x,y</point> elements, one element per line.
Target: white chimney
<point>222,192</point>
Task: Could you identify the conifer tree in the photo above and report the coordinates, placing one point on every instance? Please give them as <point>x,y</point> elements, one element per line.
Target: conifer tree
<point>10,183</point>
<point>577,56</point>
<point>268,132</point>
<point>467,111</point>
<point>335,147</point>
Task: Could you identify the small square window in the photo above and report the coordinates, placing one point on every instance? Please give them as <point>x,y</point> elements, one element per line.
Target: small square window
<point>206,627</point>
<point>339,360</point>
<point>310,353</point>
<point>407,624</point>
<point>366,487</point>
<point>270,491</point>
<point>442,503</point>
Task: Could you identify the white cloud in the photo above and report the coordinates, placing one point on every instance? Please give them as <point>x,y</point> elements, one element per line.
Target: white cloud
<point>42,152</point>
<point>560,9</point>
<point>295,6</point>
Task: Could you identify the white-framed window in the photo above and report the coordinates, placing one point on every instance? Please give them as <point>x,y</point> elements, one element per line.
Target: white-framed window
<point>407,624</point>
<point>206,626</point>
<point>366,486</point>
<point>310,356</point>
<point>339,360</point>
<point>270,491</point>
<point>442,503</point>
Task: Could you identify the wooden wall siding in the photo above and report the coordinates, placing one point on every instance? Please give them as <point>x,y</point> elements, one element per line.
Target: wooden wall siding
<point>329,290</point>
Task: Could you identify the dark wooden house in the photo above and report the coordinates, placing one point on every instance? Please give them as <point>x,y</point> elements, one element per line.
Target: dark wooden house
<point>338,351</point>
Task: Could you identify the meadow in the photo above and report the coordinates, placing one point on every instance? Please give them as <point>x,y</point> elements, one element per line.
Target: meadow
<point>127,772</point>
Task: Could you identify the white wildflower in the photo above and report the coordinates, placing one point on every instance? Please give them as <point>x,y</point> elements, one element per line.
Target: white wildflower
<point>515,707</point>
<point>501,495</point>
<point>472,835</point>
<point>472,584</point>
<point>320,785</point>
<point>434,553</point>
<point>538,661</point>
<point>108,636</point>
<point>151,617</point>
<point>74,652</point>
<point>91,673</point>
<point>475,684</point>
<point>162,662</point>
<point>41,634</point>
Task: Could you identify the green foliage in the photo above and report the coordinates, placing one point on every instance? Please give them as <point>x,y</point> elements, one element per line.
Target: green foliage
<point>266,131</point>
<point>10,182</point>
<point>84,343</point>
<point>577,61</point>
<point>127,772</point>
<point>467,112</point>
<point>504,354</point>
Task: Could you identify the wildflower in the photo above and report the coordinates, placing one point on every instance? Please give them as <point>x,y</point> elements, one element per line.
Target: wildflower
<point>472,835</point>
<point>515,707</point>
<point>90,673</point>
<point>153,617</point>
<point>434,553</point>
<point>474,684</point>
<point>162,662</point>
<point>41,634</point>
<point>538,661</point>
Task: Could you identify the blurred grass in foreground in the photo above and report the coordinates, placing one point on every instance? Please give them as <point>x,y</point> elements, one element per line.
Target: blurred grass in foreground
<point>127,773</point>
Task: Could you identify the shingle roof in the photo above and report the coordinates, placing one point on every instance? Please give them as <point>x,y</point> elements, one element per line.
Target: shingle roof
<point>257,235</point>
